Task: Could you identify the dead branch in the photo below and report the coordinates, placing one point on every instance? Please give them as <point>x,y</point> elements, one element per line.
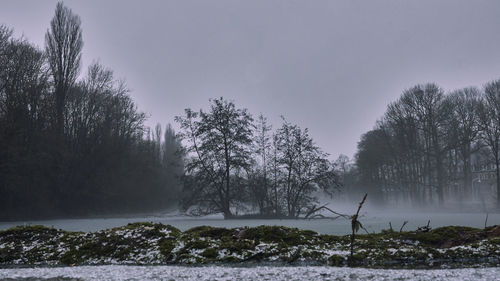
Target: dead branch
<point>404,223</point>
<point>424,228</point>
<point>320,216</point>
<point>314,210</point>
<point>355,225</point>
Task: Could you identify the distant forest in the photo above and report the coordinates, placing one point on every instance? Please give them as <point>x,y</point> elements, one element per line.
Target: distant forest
<point>72,145</point>
<point>431,148</point>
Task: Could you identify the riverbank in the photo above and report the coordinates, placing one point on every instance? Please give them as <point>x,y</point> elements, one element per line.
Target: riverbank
<point>155,244</point>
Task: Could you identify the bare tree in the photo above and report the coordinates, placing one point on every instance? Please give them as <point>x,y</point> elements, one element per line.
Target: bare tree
<point>263,146</point>
<point>306,169</point>
<point>464,128</point>
<point>276,175</point>
<point>219,141</point>
<point>489,116</point>
<point>432,113</point>
<point>63,45</point>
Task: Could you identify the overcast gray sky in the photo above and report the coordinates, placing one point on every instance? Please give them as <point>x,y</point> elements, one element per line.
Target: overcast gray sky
<point>330,66</point>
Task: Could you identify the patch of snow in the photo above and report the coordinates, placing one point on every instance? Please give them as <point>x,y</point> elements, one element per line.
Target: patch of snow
<point>116,272</point>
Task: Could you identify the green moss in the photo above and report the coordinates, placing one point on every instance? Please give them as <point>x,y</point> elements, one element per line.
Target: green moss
<point>9,254</point>
<point>71,238</point>
<point>287,244</point>
<point>434,238</point>
<point>263,233</point>
<point>209,253</point>
<point>387,231</point>
<point>336,260</point>
<point>208,231</point>
<point>440,235</point>
<point>295,255</point>
<point>102,245</point>
<point>149,229</point>
<point>183,257</point>
<point>358,259</point>
<point>276,234</point>
<point>369,241</point>
<point>333,239</point>
<point>230,259</point>
<point>314,256</point>
<point>237,245</point>
<point>70,257</point>
<point>28,233</point>
<point>166,246</point>
<point>26,228</point>
<point>134,225</point>
<point>494,241</point>
<point>197,244</point>
<point>174,232</point>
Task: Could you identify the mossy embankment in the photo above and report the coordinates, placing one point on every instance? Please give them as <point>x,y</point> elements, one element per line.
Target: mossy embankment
<point>148,243</point>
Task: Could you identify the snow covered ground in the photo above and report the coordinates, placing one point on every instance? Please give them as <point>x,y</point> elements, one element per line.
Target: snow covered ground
<point>116,272</point>
<point>373,221</point>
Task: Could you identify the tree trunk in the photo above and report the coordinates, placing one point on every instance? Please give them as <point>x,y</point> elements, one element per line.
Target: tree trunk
<point>467,172</point>
<point>227,212</point>
<point>497,166</point>
<point>440,182</point>
<point>227,199</point>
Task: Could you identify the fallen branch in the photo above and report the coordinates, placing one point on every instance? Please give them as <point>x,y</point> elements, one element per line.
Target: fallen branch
<point>314,210</point>
<point>424,228</point>
<point>320,216</point>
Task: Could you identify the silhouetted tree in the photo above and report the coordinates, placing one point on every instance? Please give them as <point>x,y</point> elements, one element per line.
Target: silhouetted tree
<point>219,141</point>
<point>98,160</point>
<point>464,129</point>
<point>306,169</point>
<point>259,182</point>
<point>63,45</point>
<point>489,116</point>
<point>433,114</point>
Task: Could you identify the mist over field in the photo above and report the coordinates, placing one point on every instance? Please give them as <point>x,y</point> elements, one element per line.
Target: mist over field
<point>340,133</point>
<point>76,142</point>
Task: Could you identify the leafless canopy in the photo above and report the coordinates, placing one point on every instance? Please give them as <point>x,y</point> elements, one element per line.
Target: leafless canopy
<point>63,45</point>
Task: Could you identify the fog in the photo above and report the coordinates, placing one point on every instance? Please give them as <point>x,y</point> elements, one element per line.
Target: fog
<point>236,114</point>
<point>374,220</point>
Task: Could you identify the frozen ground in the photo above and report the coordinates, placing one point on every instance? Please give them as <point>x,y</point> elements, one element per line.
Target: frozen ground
<point>373,221</point>
<point>113,272</point>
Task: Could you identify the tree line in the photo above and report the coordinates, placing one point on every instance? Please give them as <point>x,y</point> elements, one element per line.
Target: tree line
<point>423,149</point>
<point>237,164</point>
<point>72,145</point>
